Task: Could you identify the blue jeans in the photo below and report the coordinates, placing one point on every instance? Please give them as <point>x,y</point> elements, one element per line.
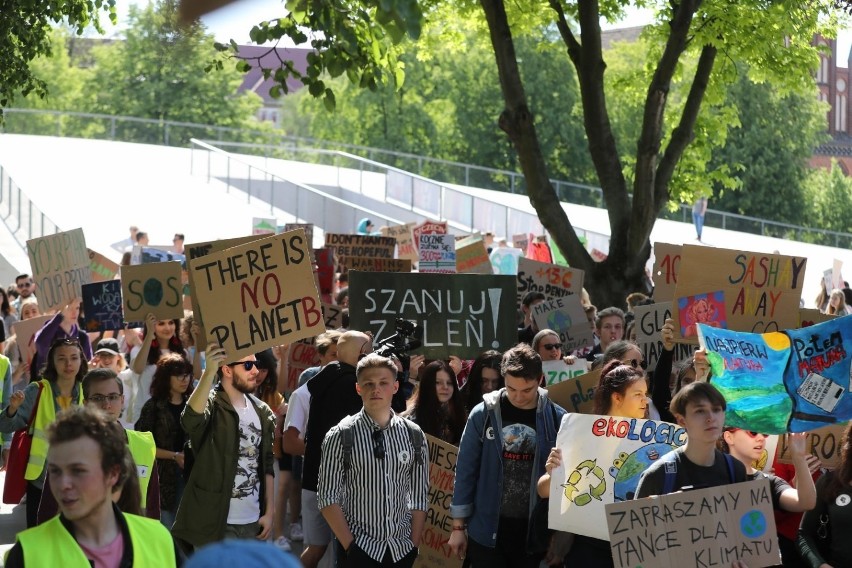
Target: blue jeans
<point>698,219</point>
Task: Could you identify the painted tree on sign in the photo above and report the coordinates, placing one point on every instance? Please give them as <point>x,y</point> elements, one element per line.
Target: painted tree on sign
<point>696,42</point>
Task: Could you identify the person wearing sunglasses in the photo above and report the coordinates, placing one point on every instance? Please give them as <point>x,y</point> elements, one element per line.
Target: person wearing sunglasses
<point>376,505</point>
<point>748,447</point>
<point>229,492</point>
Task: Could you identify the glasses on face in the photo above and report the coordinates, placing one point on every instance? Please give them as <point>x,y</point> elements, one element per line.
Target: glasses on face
<point>25,284</point>
<point>378,444</point>
<point>247,365</point>
<point>100,399</point>
<point>750,433</point>
<point>552,346</point>
<point>638,363</point>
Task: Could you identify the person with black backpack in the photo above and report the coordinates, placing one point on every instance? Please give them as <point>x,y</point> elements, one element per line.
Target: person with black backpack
<point>374,476</point>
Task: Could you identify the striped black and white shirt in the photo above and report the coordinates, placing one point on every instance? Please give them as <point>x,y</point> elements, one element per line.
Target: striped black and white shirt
<point>377,495</point>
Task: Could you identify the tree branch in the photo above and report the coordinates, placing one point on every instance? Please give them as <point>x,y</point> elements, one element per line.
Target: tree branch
<point>574,47</point>
<point>648,147</point>
<point>684,133</point>
<point>518,122</point>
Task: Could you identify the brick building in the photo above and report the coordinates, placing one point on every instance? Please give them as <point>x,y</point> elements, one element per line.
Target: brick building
<point>834,85</point>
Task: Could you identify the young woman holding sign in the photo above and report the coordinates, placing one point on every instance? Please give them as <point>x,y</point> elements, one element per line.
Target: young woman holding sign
<point>161,338</point>
<point>748,447</point>
<point>622,392</point>
<point>38,405</point>
<point>824,535</point>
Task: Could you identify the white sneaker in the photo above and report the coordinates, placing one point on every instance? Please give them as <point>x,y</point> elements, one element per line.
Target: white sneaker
<point>296,533</point>
<point>282,543</point>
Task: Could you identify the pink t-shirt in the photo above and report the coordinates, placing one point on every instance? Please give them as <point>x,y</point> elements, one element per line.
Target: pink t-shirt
<point>108,556</point>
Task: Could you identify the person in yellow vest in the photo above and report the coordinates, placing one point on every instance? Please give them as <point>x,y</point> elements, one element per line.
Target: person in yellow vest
<point>87,460</point>
<point>58,389</point>
<point>5,395</point>
<point>102,389</point>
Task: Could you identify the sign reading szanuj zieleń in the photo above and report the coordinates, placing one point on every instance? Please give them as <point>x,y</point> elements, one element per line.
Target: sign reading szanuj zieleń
<point>258,294</point>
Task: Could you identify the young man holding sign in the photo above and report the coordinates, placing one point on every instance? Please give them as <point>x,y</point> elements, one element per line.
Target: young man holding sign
<point>502,453</point>
<point>229,493</point>
<point>699,408</point>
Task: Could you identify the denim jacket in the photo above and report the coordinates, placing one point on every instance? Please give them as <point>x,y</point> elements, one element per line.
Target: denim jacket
<point>479,469</point>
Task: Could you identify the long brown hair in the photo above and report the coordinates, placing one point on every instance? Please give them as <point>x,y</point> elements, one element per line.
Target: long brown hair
<point>430,416</point>
<point>842,476</point>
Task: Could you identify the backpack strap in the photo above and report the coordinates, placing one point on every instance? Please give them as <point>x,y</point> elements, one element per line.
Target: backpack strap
<point>415,436</point>
<point>348,441</point>
<point>669,472</point>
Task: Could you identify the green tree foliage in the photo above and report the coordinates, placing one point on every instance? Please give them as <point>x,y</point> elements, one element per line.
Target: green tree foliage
<point>25,34</point>
<point>695,43</point>
<point>158,73</point>
<point>770,150</point>
<point>829,198</point>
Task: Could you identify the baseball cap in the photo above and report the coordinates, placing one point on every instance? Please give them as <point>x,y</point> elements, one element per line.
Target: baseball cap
<point>107,345</point>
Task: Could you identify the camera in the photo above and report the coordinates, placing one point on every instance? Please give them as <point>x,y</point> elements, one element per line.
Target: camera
<point>407,336</point>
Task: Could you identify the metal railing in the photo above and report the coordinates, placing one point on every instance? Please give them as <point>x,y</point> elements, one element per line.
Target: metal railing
<point>461,208</point>
<point>132,129</point>
<point>21,216</point>
<point>260,184</point>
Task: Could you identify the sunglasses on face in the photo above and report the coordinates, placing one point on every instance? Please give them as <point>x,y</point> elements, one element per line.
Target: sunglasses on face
<point>378,445</point>
<point>25,284</point>
<point>636,364</point>
<point>552,346</point>
<point>247,365</point>
<point>750,433</point>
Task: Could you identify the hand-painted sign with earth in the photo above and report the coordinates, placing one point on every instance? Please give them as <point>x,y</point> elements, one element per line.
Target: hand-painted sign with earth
<point>152,288</point>
<point>792,381</point>
<point>566,317</point>
<point>602,459</point>
<point>694,529</point>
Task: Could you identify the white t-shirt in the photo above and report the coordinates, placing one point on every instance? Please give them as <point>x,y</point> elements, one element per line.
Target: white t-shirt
<point>137,389</point>
<point>245,496</point>
<point>297,410</point>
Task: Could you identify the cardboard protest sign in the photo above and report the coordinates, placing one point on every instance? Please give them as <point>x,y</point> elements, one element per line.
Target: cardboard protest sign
<point>694,529</point>
<point>434,550</point>
<point>25,330</point>
<point>566,317</point>
<point>197,250</point>
<point>404,241</point>
<point>552,280</point>
<point>152,288</point>
<point>60,266</point>
<point>360,245</point>
<point>521,241</point>
<point>325,262</point>
<point>602,460</point>
<point>837,276</point>
<point>301,355</point>
<point>504,260</point>
<point>258,295</point>
<point>796,380</point>
<point>472,257</point>
<point>808,317</point>
<point>369,264</point>
<point>333,315</point>
<point>263,226</point>
<point>102,307</point>
<point>558,371</point>
<point>102,267</point>
<point>437,253</point>
<point>576,394</point>
<point>666,267</point>
<point>307,227</point>
<point>738,290</point>
<point>824,443</point>
<point>458,314</point>
<point>649,324</point>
